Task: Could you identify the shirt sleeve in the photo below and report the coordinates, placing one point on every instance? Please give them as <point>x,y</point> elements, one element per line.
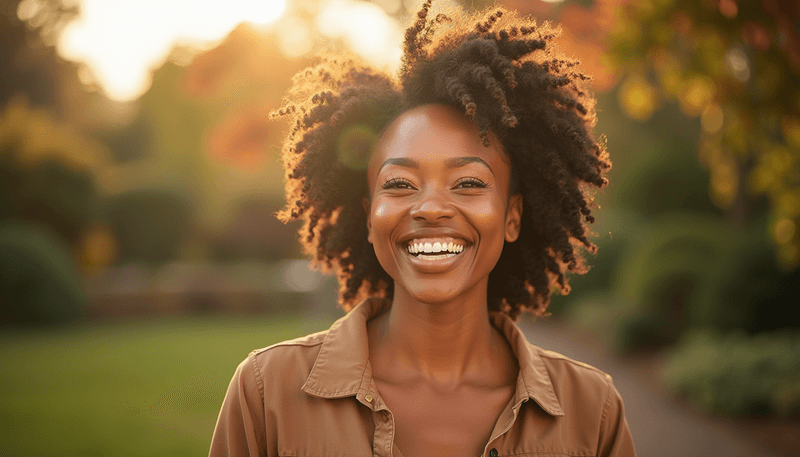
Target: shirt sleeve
<point>240,429</point>
<point>615,437</point>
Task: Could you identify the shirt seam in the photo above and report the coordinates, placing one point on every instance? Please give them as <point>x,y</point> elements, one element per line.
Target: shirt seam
<point>286,343</point>
<point>606,407</point>
<point>334,393</point>
<point>360,386</point>
<point>259,381</point>
<point>556,356</point>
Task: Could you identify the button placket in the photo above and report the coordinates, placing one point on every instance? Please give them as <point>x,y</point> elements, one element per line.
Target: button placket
<point>384,432</point>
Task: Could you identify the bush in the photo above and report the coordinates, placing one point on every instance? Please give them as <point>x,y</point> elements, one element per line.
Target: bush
<point>737,374</point>
<point>150,224</point>
<point>663,273</point>
<point>255,233</point>
<point>38,280</point>
<point>615,231</point>
<point>696,271</point>
<point>49,193</point>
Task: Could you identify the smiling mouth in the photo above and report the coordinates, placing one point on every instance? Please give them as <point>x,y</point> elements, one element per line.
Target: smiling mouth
<point>434,250</point>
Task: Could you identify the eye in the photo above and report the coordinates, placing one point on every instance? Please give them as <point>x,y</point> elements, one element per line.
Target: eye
<point>470,183</point>
<point>397,183</point>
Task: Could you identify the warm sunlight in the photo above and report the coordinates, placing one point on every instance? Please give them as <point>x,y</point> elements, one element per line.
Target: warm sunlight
<point>120,41</point>
<point>377,38</point>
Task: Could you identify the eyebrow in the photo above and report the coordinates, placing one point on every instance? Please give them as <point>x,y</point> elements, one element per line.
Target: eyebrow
<point>455,162</point>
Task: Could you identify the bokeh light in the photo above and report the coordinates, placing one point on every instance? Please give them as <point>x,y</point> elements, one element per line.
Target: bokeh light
<point>120,41</point>
<point>638,98</point>
<point>377,38</point>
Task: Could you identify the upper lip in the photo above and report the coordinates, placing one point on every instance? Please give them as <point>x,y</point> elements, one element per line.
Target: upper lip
<point>433,233</point>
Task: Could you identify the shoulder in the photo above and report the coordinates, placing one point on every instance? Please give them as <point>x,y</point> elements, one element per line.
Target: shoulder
<point>588,396</point>
<point>289,353</point>
<point>281,365</point>
<point>565,365</point>
<point>577,384</point>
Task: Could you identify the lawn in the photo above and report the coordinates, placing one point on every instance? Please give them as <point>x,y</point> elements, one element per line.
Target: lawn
<point>139,388</point>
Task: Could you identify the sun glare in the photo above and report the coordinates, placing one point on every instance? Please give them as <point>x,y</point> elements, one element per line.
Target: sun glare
<point>366,28</point>
<point>120,41</point>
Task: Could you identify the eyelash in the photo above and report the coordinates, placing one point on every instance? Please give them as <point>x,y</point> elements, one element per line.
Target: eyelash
<point>473,183</point>
<point>395,183</point>
<point>398,183</point>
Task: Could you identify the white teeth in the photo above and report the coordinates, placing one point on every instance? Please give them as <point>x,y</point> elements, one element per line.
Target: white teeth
<point>429,249</point>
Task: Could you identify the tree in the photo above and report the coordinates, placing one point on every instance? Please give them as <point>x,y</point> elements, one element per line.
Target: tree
<point>735,65</point>
<point>27,32</point>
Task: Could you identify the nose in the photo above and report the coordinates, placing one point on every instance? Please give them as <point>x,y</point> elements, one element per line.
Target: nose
<point>432,206</point>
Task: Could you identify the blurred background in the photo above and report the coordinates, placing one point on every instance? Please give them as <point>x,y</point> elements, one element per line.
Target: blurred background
<point>140,260</point>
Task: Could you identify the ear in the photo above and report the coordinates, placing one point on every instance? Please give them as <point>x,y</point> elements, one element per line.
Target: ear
<point>513,217</point>
<point>367,211</point>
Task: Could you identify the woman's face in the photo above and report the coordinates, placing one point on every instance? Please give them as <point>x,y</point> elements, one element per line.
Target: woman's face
<point>439,210</point>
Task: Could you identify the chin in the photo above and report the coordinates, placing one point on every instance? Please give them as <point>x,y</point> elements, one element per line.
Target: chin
<point>432,292</point>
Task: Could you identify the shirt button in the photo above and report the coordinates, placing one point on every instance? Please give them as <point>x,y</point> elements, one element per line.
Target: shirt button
<point>493,453</point>
<point>369,400</point>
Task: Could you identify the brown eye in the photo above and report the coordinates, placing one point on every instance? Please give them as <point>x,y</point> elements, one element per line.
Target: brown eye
<point>397,183</point>
<point>470,183</point>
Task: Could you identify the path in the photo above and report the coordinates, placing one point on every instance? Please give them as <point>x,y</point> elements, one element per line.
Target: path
<point>661,426</point>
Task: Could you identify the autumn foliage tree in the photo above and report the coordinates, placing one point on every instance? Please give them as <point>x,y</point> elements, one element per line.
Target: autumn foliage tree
<point>735,65</point>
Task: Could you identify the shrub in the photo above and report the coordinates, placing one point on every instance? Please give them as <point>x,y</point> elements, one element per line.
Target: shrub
<point>48,192</point>
<point>38,280</point>
<point>696,271</point>
<point>255,233</point>
<point>614,236</point>
<point>736,373</point>
<point>150,224</point>
<point>662,274</point>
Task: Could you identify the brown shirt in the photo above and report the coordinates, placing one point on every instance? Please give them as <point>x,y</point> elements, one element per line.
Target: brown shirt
<point>315,396</point>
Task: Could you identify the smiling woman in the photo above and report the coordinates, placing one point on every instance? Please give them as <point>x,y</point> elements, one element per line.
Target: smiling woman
<point>434,188</point>
<point>447,201</point>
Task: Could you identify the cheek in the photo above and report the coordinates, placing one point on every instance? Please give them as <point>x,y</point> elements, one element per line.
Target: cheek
<point>384,217</point>
<point>488,216</point>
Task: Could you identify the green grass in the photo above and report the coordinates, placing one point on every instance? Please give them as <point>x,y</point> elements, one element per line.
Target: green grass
<point>126,389</point>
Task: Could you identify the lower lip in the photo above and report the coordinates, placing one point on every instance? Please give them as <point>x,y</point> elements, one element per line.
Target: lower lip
<point>434,264</point>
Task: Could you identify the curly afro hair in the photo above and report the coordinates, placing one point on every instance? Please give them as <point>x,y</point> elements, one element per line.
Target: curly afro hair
<point>503,72</point>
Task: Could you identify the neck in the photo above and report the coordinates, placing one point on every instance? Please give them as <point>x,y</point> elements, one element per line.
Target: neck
<point>441,343</point>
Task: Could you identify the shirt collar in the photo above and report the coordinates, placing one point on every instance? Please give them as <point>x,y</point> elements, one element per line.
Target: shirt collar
<point>342,366</point>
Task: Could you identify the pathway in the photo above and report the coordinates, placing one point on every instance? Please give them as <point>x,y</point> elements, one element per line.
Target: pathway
<point>661,426</point>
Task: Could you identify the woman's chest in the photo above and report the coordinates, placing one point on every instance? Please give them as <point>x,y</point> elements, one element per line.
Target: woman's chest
<point>432,423</point>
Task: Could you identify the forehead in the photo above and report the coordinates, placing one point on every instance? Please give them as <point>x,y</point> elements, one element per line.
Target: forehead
<point>432,133</point>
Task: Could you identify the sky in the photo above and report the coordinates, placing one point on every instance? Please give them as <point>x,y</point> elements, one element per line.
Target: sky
<point>121,41</point>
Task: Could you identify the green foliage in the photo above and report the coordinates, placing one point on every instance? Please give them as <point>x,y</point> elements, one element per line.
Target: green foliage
<point>691,270</point>
<point>255,233</point>
<point>736,374</point>
<point>47,172</point>
<point>655,172</point>
<point>48,193</point>
<point>656,169</point>
<point>150,224</point>
<point>733,64</point>
<point>38,280</point>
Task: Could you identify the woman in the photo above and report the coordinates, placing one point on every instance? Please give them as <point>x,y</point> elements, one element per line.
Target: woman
<point>447,202</point>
